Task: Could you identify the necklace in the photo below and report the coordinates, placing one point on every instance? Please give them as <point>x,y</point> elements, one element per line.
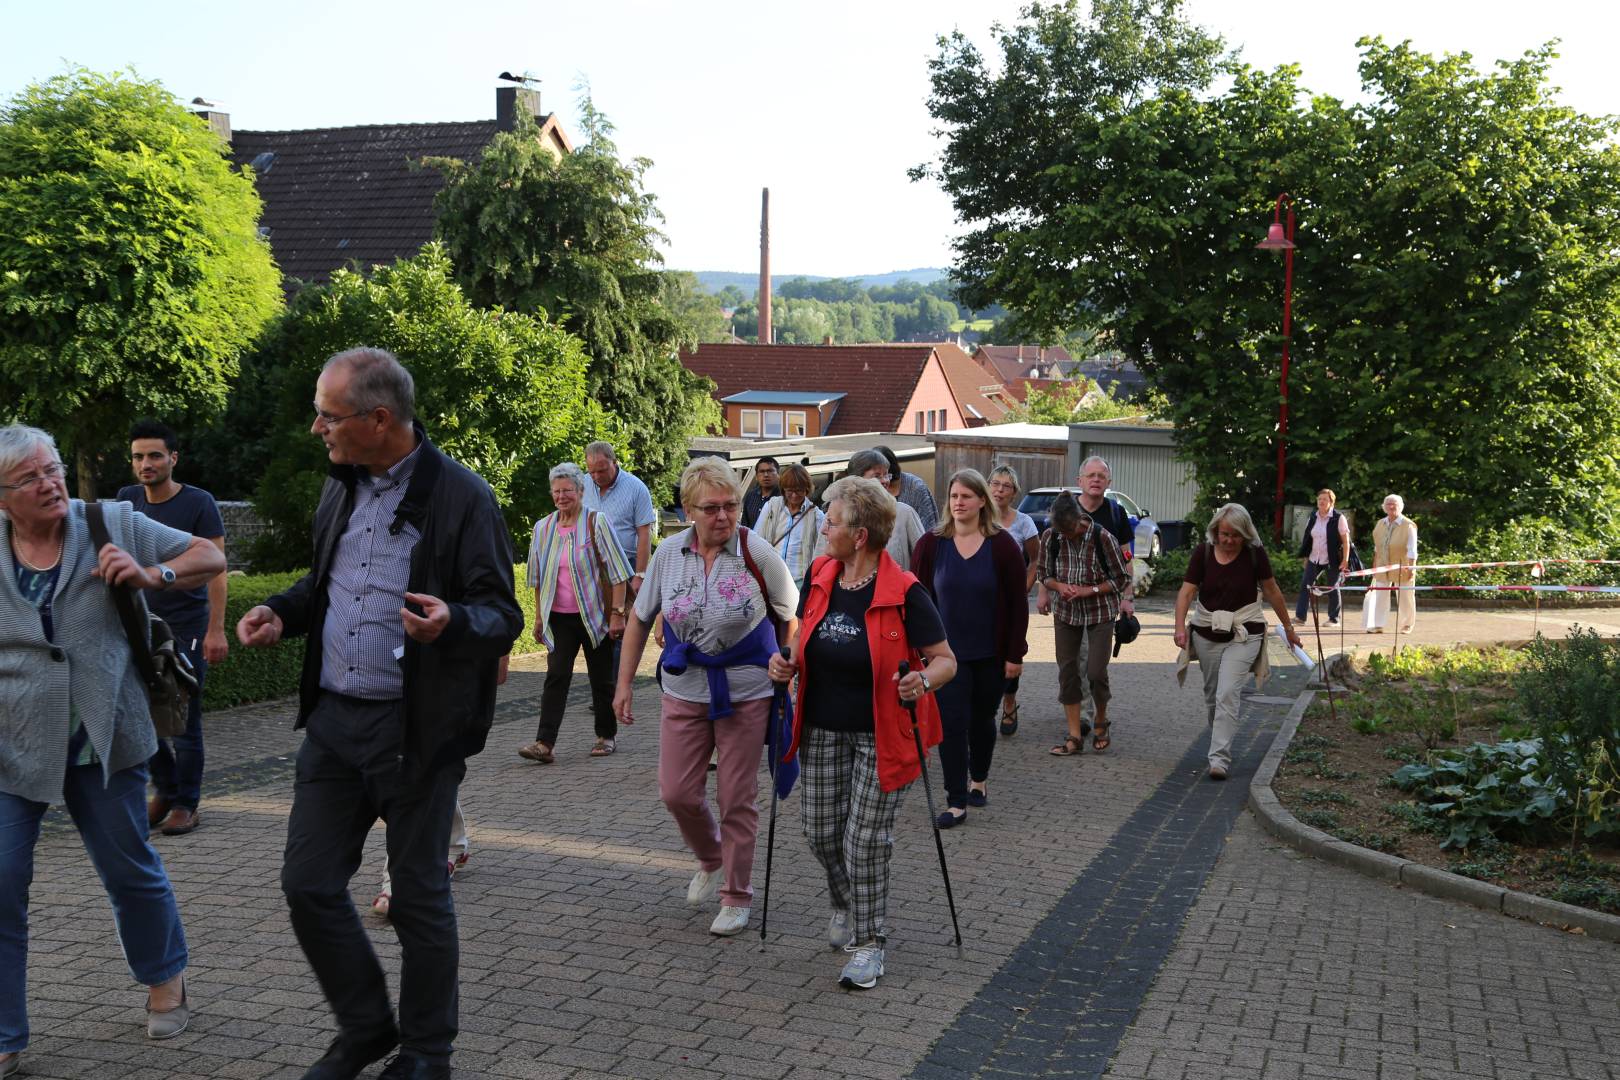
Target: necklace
<point>856,586</point>
<point>17,551</point>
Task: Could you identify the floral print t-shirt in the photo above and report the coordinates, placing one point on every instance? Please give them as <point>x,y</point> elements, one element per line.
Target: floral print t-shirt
<point>715,611</point>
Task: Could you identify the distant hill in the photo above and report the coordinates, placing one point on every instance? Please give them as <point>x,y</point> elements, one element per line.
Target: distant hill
<point>715,280</point>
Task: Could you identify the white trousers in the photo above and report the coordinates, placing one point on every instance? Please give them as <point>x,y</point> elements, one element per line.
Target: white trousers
<point>1375,610</point>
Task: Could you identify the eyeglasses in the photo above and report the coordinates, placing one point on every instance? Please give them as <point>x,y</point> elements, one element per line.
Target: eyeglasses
<point>716,509</point>
<point>333,421</point>
<point>52,472</point>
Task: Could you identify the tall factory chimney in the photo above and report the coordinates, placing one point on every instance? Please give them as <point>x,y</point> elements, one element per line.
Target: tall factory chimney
<point>765,335</point>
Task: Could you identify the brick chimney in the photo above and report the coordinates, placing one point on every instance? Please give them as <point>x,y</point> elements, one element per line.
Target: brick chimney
<point>767,335</point>
<point>513,101</point>
<point>216,118</point>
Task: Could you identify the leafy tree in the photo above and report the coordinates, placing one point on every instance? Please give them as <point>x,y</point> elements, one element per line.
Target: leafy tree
<point>684,297</point>
<point>1077,402</point>
<point>1455,291</point>
<point>574,238</point>
<point>133,273</point>
<point>731,297</point>
<point>503,393</point>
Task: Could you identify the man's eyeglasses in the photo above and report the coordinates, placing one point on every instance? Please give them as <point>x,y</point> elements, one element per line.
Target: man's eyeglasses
<point>716,509</point>
<point>333,421</point>
<point>52,472</point>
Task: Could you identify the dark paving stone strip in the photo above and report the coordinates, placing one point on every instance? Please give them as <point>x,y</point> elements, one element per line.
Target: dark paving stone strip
<point>1061,1003</point>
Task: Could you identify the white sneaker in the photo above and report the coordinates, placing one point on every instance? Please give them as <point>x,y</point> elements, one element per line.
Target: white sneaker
<point>864,967</point>
<point>731,920</point>
<point>705,883</point>
<point>839,933</point>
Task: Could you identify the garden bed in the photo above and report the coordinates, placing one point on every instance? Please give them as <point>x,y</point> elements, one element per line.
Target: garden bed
<point>1337,775</point>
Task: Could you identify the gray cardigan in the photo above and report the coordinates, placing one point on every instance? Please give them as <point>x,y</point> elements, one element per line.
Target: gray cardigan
<point>89,665</point>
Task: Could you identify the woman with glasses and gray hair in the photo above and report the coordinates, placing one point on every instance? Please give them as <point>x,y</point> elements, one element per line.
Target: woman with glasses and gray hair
<point>1395,543</point>
<point>908,527</point>
<point>578,573</point>
<point>1221,602</point>
<point>723,591</point>
<point>74,719</point>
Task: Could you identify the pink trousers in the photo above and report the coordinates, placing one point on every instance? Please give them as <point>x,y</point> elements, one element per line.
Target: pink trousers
<point>687,737</point>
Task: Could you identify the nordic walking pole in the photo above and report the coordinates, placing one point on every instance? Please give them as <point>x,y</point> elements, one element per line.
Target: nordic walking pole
<point>1327,682</point>
<point>933,818</point>
<point>779,702</point>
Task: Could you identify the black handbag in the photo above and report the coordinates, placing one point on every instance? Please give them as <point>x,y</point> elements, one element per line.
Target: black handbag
<point>170,680</point>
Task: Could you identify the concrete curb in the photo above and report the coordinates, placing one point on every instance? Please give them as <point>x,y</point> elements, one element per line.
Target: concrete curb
<point>1277,821</point>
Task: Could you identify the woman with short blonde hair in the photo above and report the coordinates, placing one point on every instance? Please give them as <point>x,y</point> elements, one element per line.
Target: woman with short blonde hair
<point>791,522</point>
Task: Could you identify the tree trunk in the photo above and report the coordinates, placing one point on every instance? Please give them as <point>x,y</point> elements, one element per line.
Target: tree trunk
<point>85,466</point>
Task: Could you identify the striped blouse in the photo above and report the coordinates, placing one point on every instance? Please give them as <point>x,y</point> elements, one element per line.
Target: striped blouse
<point>547,551</point>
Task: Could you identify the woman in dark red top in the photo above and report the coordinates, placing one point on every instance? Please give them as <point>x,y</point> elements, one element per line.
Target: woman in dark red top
<point>1226,578</point>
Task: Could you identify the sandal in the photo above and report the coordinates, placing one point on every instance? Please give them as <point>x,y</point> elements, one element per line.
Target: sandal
<point>538,751</point>
<point>1100,740</point>
<point>1009,721</point>
<point>1071,746</point>
<point>603,748</point>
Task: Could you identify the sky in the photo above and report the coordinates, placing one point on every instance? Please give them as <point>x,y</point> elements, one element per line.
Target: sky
<point>824,103</point>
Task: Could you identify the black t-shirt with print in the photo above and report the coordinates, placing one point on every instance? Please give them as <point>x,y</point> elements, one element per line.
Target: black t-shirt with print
<point>838,693</point>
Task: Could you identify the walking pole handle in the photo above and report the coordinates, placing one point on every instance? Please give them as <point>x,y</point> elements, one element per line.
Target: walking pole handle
<point>910,706</point>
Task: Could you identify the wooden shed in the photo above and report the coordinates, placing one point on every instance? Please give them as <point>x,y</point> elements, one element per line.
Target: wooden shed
<point>1037,452</point>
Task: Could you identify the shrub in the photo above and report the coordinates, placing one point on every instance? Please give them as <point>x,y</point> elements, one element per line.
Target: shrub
<point>250,675</point>
<point>1570,694</point>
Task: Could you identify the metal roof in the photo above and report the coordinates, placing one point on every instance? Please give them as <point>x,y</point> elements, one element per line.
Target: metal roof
<point>783,397</point>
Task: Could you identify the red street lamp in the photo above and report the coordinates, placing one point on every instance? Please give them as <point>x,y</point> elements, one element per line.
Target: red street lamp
<point>1278,240</point>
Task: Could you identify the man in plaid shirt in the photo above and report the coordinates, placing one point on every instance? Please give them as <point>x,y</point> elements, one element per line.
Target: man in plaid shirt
<point>1084,574</point>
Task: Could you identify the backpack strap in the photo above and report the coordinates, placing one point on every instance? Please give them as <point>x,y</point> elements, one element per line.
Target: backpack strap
<point>123,599</point>
<point>759,579</point>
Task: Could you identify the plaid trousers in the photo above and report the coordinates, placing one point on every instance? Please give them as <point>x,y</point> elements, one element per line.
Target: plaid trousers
<point>849,821</point>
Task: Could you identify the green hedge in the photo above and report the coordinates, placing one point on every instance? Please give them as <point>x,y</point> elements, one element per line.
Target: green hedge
<point>249,675</point>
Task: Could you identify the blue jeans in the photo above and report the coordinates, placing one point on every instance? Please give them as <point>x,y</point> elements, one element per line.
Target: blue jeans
<point>177,770</point>
<point>1329,577</point>
<point>112,823</point>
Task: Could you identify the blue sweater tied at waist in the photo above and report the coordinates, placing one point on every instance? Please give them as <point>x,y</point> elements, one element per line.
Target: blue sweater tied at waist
<point>753,650</point>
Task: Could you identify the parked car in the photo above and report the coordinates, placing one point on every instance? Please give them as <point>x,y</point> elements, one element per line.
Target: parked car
<point>1037,503</point>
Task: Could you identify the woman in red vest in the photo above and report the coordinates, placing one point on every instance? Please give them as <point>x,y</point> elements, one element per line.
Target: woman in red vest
<point>860,616</point>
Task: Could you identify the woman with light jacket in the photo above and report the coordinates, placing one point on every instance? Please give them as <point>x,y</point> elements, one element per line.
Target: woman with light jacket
<point>975,572</point>
<point>791,523</point>
<point>1221,622</point>
<point>861,616</point>
<point>1395,543</point>
<point>578,573</point>
<point>74,721</point>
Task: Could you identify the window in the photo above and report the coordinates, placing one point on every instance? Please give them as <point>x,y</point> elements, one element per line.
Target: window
<point>930,419</point>
<point>795,425</point>
<point>748,424</point>
<point>940,424</point>
<point>920,428</point>
<point>771,424</point>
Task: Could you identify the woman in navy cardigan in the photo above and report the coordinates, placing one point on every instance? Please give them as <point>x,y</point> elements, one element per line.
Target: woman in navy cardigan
<point>973,566</point>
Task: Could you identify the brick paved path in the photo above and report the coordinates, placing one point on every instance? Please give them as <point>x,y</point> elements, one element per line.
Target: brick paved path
<point>579,958</point>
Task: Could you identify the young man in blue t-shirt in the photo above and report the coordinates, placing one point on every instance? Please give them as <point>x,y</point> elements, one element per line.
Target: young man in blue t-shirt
<point>197,616</point>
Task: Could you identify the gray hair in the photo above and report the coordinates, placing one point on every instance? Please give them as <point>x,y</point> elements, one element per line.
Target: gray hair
<point>1236,518</point>
<point>19,442</point>
<point>570,472</point>
<point>867,505</point>
<point>1065,513</point>
<point>601,449</point>
<point>1400,503</point>
<point>1101,461</point>
<point>1010,473</point>
<point>377,380</point>
<point>863,460</point>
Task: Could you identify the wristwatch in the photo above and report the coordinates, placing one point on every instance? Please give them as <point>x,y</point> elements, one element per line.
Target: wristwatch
<point>166,574</point>
<point>619,611</point>
<point>928,687</point>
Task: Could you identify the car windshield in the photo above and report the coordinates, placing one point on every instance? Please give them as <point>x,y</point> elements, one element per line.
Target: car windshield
<point>1130,507</point>
<point>1037,501</point>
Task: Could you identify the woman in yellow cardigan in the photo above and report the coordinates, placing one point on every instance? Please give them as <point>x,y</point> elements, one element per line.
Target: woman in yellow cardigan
<point>1394,544</point>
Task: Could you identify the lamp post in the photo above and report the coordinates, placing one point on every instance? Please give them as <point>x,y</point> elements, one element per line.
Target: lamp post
<point>1279,240</point>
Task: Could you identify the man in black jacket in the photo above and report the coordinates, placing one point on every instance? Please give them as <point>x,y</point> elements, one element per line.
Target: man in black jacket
<point>407,613</point>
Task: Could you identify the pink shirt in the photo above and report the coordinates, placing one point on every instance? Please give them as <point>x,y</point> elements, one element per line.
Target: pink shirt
<point>1319,552</point>
<point>565,601</point>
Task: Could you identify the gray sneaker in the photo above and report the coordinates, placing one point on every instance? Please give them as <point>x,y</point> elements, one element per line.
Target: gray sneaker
<point>863,968</point>
<point>838,932</point>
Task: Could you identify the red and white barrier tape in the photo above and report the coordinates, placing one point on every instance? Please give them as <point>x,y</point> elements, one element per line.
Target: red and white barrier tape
<point>1538,563</point>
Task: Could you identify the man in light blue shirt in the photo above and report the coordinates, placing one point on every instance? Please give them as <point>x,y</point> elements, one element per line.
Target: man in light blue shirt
<point>627,505</point>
